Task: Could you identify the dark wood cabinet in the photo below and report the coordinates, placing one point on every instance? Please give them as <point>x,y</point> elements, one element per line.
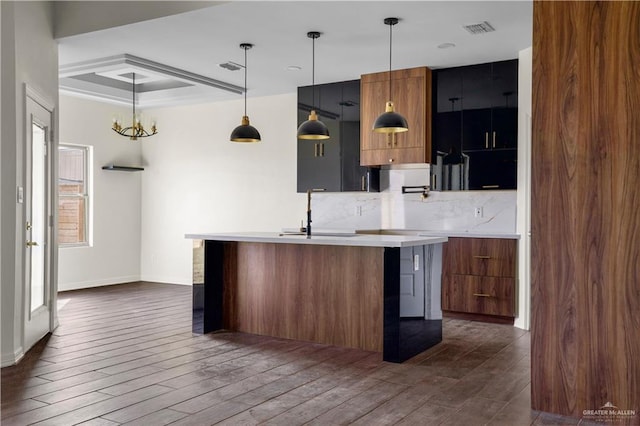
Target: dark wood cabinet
<point>476,126</point>
<point>411,95</point>
<point>333,164</point>
<point>478,278</point>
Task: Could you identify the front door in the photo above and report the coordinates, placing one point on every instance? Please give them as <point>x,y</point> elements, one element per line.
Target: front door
<point>37,226</point>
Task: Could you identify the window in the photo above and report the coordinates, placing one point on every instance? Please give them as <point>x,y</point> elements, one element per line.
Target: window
<point>74,195</point>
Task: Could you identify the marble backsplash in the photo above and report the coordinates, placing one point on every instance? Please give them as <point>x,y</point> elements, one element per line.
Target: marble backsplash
<point>440,211</point>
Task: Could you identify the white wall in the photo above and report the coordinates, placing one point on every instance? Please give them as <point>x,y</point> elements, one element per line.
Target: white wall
<point>197,181</point>
<point>525,78</point>
<point>114,256</point>
<point>29,55</point>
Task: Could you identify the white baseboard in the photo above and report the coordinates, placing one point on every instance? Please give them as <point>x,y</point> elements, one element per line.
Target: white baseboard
<point>97,283</point>
<point>9,359</point>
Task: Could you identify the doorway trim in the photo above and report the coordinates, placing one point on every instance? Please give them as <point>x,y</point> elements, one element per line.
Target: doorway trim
<point>30,93</point>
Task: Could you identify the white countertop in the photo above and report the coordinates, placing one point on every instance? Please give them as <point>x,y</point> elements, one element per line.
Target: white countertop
<point>441,233</point>
<point>362,240</point>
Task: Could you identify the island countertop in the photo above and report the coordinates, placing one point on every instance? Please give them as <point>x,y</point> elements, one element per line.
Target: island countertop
<point>357,240</point>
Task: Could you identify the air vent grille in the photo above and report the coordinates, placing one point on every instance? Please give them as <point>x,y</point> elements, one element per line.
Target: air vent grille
<point>231,66</point>
<point>480,28</point>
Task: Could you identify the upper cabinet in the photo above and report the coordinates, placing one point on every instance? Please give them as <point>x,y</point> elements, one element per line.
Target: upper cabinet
<point>475,134</point>
<point>411,95</point>
<point>333,164</point>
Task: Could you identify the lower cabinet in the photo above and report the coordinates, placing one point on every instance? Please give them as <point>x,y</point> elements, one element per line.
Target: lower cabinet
<point>480,295</point>
<point>479,278</point>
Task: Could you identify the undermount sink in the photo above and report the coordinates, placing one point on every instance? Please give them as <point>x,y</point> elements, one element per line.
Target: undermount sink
<point>316,234</point>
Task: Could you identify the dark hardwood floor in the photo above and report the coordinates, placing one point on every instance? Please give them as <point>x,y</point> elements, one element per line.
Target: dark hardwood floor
<point>125,354</point>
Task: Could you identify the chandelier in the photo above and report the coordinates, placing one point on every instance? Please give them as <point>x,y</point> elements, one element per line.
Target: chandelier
<point>136,130</point>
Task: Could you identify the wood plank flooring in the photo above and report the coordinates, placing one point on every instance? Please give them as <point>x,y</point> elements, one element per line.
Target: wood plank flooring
<point>125,354</point>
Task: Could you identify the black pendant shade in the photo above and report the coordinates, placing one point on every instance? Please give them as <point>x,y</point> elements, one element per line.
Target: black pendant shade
<point>390,121</point>
<point>245,132</point>
<point>313,128</point>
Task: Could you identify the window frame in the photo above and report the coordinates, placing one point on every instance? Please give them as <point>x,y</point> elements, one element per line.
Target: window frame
<point>86,196</point>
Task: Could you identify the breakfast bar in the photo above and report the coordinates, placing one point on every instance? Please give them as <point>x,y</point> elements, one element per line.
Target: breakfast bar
<point>373,292</point>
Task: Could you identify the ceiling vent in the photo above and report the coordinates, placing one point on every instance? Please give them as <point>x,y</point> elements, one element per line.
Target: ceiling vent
<point>231,66</point>
<point>481,28</point>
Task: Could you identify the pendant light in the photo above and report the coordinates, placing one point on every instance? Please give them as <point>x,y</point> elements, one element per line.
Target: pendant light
<point>390,121</point>
<point>245,132</point>
<point>313,128</point>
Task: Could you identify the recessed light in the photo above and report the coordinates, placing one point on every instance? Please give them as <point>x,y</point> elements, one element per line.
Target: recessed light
<point>446,45</point>
<point>294,68</point>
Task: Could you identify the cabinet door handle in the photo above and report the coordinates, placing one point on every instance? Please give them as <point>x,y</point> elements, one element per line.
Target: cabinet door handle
<point>31,244</point>
<point>363,182</point>
<point>389,139</point>
<point>394,139</point>
<point>391,160</point>
<point>322,149</point>
<point>315,149</point>
<point>486,140</point>
<point>482,257</point>
<point>481,295</point>
<point>494,140</point>
<point>490,186</point>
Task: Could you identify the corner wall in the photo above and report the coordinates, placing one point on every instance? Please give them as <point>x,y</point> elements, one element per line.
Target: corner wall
<point>29,55</point>
<point>114,256</point>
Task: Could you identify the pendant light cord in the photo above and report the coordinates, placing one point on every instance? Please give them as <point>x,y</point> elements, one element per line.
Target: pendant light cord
<point>313,71</point>
<point>133,101</point>
<point>390,49</point>
<point>245,81</point>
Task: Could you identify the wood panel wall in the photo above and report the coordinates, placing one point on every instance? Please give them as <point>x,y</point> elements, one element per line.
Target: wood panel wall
<point>325,294</point>
<point>586,207</point>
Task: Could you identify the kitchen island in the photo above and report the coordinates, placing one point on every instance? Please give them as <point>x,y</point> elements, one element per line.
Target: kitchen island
<point>372,292</point>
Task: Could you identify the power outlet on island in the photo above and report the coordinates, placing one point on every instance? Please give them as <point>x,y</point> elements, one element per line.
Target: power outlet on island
<point>477,212</point>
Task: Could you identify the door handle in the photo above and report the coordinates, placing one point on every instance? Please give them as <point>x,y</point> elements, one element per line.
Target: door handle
<point>481,295</point>
<point>486,140</point>
<point>494,140</point>
<point>322,149</point>
<point>315,149</point>
<point>363,185</point>
<point>482,257</point>
<point>31,244</point>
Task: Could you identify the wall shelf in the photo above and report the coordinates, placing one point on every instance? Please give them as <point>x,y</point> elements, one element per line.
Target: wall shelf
<point>113,167</point>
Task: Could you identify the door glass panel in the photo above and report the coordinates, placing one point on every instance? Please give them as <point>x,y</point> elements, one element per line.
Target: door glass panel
<point>38,216</point>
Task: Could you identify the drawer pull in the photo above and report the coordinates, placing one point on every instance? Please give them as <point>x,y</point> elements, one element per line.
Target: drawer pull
<point>482,257</point>
<point>481,295</point>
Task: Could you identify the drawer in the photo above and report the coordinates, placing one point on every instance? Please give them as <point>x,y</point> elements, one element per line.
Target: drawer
<point>478,295</point>
<point>494,257</point>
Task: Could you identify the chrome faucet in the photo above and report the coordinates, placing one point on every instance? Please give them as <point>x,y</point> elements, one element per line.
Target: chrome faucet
<point>309,191</point>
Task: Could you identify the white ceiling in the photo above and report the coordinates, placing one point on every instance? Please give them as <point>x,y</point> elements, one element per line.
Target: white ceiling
<point>354,40</point>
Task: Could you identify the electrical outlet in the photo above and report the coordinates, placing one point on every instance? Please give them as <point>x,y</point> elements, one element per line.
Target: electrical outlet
<point>477,212</point>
